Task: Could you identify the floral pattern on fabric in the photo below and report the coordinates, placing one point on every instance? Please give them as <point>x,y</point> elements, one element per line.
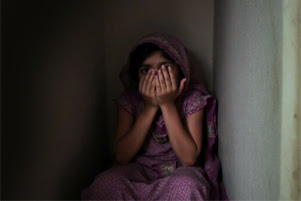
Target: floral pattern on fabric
<point>167,169</point>
<point>210,129</point>
<point>193,101</point>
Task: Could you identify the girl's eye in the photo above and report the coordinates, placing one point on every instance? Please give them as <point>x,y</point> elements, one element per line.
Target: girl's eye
<point>144,70</point>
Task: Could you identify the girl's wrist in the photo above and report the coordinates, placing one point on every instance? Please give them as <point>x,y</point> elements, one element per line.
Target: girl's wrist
<point>151,107</point>
<point>167,105</point>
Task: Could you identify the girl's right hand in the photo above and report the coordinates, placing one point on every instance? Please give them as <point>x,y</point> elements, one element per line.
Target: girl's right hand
<point>147,89</point>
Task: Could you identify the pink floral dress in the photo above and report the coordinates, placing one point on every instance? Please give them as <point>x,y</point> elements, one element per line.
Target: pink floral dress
<point>155,173</point>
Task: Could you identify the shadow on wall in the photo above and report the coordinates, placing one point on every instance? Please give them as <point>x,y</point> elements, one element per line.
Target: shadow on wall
<point>54,132</point>
<point>93,156</point>
<point>199,66</point>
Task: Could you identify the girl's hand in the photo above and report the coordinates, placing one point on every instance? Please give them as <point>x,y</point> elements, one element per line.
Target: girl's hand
<point>167,89</point>
<point>147,89</point>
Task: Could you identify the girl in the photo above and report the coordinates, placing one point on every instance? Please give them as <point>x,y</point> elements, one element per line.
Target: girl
<point>166,130</point>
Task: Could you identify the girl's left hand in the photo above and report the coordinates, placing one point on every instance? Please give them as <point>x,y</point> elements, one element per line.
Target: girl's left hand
<point>167,89</point>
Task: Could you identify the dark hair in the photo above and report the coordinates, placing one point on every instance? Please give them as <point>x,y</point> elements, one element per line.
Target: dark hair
<point>137,57</point>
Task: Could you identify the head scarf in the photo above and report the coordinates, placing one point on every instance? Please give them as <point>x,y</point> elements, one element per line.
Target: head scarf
<point>176,50</point>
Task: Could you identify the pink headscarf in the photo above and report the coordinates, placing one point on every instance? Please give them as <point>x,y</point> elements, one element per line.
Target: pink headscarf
<point>176,50</point>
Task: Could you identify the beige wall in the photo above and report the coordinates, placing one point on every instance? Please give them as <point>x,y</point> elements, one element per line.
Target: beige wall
<point>54,131</point>
<point>290,176</point>
<point>248,83</point>
<point>257,84</point>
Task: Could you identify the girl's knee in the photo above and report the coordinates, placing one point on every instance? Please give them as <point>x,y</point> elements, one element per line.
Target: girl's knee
<point>109,177</point>
<point>105,185</point>
<point>189,177</point>
<point>183,180</point>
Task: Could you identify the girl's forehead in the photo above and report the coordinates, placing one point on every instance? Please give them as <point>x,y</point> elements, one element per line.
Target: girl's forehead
<point>154,58</point>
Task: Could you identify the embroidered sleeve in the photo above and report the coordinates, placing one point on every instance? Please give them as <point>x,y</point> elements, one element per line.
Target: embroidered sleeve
<point>124,102</point>
<point>193,102</point>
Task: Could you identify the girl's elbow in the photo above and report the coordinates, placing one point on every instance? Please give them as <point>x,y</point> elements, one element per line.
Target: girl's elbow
<point>189,162</point>
<point>121,160</point>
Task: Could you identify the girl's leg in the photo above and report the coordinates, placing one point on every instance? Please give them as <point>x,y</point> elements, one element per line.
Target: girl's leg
<point>188,183</point>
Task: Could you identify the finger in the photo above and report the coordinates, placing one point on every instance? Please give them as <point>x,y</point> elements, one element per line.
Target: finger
<point>182,85</point>
<point>161,79</point>
<point>158,85</point>
<point>145,80</point>
<point>153,87</point>
<point>141,82</point>
<point>166,77</point>
<point>145,84</point>
<point>172,77</point>
<point>149,82</point>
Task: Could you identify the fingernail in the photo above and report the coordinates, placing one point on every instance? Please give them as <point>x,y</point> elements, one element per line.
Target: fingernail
<point>163,66</point>
<point>169,68</point>
<point>159,70</point>
<point>156,76</point>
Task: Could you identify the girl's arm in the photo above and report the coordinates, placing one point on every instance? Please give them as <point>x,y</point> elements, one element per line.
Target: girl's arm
<point>131,135</point>
<point>185,139</point>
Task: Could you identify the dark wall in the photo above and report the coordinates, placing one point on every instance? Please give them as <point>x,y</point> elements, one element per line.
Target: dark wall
<point>53,137</point>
